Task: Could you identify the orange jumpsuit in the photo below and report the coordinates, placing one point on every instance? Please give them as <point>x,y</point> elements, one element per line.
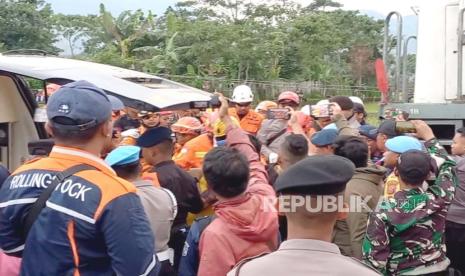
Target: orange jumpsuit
<point>192,154</point>
<point>250,122</point>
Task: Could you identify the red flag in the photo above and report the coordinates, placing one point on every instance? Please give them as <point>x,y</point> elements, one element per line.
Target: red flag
<point>382,80</point>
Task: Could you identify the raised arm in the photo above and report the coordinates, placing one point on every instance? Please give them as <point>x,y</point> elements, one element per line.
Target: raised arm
<point>238,139</point>
<point>446,178</point>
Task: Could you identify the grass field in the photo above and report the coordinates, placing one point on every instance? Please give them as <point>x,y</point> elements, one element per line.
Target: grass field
<point>372,109</point>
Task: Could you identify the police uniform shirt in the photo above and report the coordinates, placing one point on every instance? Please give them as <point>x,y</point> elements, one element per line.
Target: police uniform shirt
<point>303,257</point>
<point>161,208</point>
<point>184,188</point>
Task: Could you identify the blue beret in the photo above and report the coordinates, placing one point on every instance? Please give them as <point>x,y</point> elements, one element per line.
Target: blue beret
<point>317,175</point>
<point>153,137</point>
<point>401,144</point>
<point>331,126</point>
<point>123,155</point>
<point>324,137</point>
<point>78,106</point>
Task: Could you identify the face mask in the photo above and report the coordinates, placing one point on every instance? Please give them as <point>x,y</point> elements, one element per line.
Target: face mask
<point>221,143</point>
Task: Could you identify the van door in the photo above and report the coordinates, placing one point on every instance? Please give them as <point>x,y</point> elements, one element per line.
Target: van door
<point>17,126</point>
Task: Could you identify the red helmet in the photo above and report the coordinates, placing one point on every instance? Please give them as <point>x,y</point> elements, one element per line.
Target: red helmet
<point>289,96</point>
<point>187,125</point>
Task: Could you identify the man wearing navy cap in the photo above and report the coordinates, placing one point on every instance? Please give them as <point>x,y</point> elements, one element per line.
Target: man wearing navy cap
<point>159,204</point>
<point>369,133</point>
<point>323,141</point>
<point>91,221</point>
<point>157,150</point>
<point>386,130</point>
<point>308,250</point>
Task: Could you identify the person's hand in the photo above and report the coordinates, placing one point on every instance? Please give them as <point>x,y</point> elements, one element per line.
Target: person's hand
<point>293,117</point>
<point>336,111</point>
<point>223,111</point>
<point>134,133</point>
<point>424,131</point>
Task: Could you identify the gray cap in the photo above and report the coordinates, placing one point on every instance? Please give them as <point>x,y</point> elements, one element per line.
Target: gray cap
<point>116,104</point>
<point>316,175</point>
<point>78,106</point>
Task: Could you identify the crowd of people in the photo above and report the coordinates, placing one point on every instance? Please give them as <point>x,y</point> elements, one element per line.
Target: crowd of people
<point>233,190</point>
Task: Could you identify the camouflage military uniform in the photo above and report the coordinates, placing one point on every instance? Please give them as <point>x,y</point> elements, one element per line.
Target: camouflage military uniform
<point>407,232</point>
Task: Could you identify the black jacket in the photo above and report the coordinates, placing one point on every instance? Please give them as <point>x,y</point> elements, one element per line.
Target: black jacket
<point>184,188</point>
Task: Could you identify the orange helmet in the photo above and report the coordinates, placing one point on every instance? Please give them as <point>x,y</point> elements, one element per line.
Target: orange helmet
<point>289,96</point>
<point>187,125</point>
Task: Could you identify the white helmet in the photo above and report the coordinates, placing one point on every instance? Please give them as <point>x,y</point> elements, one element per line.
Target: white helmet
<point>242,94</point>
<point>322,102</point>
<point>306,110</point>
<point>356,100</point>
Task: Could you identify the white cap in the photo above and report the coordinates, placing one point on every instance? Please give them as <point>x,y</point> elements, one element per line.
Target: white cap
<point>356,100</point>
<point>242,94</point>
<point>306,110</point>
<point>323,102</point>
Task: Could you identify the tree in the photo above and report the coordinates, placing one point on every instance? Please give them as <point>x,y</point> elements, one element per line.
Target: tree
<point>323,4</point>
<point>122,32</point>
<point>26,25</point>
<point>74,28</point>
<point>360,63</point>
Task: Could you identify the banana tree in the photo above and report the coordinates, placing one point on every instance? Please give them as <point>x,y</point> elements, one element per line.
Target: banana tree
<point>126,29</point>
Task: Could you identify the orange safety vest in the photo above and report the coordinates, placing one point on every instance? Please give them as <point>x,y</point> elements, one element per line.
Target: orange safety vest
<point>192,154</point>
<point>250,122</point>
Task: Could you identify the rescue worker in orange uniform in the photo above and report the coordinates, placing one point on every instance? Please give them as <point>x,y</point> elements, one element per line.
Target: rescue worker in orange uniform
<point>185,129</point>
<point>192,153</point>
<point>250,121</point>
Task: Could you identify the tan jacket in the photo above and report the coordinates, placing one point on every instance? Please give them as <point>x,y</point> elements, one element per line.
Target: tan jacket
<point>366,183</point>
<point>161,209</point>
<point>303,257</point>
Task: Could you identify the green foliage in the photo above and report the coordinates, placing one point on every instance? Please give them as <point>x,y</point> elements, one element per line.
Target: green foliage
<point>26,25</point>
<point>227,39</point>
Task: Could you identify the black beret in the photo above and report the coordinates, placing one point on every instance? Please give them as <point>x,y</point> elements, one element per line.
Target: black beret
<point>316,175</point>
<point>153,137</point>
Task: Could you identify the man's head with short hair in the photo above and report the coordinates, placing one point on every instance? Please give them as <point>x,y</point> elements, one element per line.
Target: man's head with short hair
<point>226,171</point>
<point>79,115</point>
<point>157,145</point>
<point>353,148</point>
<point>129,172</point>
<point>293,149</point>
<point>346,104</point>
<point>386,131</point>
<point>413,168</point>
<point>458,144</point>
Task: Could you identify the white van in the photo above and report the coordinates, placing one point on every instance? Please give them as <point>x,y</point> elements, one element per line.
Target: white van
<point>19,120</point>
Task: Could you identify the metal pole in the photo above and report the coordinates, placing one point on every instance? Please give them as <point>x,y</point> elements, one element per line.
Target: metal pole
<point>404,69</point>
<point>460,55</point>
<point>398,48</point>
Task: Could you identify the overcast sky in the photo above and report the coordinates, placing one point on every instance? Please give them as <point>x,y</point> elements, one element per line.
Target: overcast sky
<point>159,6</point>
